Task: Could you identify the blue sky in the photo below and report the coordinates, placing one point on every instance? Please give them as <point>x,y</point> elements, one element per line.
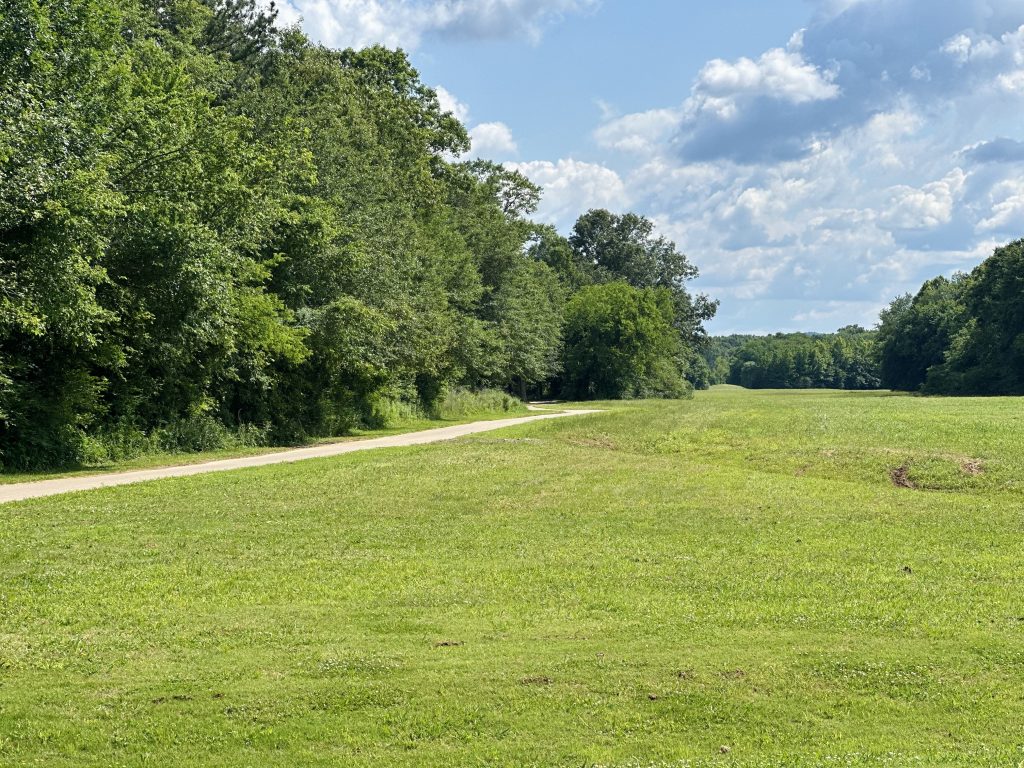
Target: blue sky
<point>814,158</point>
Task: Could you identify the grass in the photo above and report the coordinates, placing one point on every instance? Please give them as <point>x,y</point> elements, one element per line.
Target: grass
<point>636,588</point>
<point>457,408</point>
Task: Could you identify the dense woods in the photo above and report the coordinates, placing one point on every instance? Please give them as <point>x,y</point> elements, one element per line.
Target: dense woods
<point>959,336</point>
<point>843,360</point>
<point>212,226</point>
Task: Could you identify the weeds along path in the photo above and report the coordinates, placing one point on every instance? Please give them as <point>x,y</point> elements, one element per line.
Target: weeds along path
<point>36,489</point>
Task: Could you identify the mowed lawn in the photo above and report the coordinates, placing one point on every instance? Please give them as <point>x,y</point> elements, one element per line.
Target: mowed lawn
<point>735,580</point>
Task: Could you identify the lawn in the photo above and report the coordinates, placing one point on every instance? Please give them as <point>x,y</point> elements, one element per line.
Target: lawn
<point>745,579</point>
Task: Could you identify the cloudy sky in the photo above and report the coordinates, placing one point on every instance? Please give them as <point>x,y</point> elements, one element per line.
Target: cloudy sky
<point>814,158</point>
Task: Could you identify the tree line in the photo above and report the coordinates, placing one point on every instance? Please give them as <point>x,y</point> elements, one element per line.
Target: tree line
<point>843,360</point>
<point>959,336</point>
<point>210,223</point>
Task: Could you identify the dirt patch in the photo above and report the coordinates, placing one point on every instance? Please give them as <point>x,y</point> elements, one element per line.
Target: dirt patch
<point>734,674</point>
<point>596,441</point>
<point>900,477</point>
<point>448,644</point>
<point>496,440</point>
<point>686,674</point>
<point>537,680</point>
<point>176,697</point>
<point>972,467</point>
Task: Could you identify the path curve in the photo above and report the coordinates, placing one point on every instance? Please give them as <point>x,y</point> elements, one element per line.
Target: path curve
<point>21,491</point>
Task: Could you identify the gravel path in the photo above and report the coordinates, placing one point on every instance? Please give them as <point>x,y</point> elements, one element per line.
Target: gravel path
<point>20,491</point>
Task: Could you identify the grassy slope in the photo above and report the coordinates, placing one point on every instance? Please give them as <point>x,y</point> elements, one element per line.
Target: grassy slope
<point>637,588</point>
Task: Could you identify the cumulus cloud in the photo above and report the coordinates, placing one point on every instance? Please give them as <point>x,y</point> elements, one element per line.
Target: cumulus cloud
<point>928,206</point>
<point>643,132</point>
<point>811,182</point>
<point>777,74</point>
<point>449,103</point>
<point>1007,208</point>
<point>493,140</point>
<point>815,182</point>
<point>404,23</point>
<point>572,187</point>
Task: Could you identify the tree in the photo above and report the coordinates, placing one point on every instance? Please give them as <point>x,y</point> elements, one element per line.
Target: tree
<point>625,248</point>
<point>620,343</point>
<point>527,311</point>
<point>610,247</point>
<point>843,360</point>
<point>914,333</point>
<point>986,354</point>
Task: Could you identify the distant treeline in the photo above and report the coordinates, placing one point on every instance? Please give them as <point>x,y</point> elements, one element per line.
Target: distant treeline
<point>843,360</point>
<point>208,223</point>
<point>959,336</point>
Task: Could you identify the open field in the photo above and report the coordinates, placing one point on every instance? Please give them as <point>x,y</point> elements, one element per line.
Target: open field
<point>803,578</point>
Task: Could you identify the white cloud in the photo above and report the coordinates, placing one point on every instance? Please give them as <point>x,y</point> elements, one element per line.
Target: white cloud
<point>837,313</point>
<point>404,23</point>
<point>1007,212</point>
<point>490,140</point>
<point>572,187</point>
<point>493,140</point>
<point>929,206</point>
<point>449,103</point>
<point>642,132</point>
<point>778,74</point>
<point>970,46</point>
<point>1012,82</point>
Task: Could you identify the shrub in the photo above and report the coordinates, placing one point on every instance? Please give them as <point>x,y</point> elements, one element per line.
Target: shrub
<point>459,403</point>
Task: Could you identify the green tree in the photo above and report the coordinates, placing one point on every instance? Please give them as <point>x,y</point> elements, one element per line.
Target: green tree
<point>620,343</point>
<point>914,333</point>
<point>986,356</point>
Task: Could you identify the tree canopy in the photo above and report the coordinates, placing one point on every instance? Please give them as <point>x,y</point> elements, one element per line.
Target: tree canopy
<point>208,222</point>
<point>963,335</point>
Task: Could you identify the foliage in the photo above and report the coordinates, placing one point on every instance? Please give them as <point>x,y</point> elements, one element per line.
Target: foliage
<point>843,360</point>
<point>963,335</point>
<point>620,343</point>
<point>915,332</point>
<point>461,403</point>
<point>206,219</point>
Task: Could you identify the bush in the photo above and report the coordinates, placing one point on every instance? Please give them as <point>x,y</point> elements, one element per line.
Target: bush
<point>389,411</point>
<point>459,403</point>
<point>663,381</point>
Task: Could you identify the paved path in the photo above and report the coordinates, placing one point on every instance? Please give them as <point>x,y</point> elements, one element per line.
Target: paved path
<point>19,491</point>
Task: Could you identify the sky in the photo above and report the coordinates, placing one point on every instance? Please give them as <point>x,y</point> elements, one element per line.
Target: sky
<point>813,158</point>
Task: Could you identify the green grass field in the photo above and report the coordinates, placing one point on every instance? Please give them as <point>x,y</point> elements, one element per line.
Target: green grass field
<point>735,580</point>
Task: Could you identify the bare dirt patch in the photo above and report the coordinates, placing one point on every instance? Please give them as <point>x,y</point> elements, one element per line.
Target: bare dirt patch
<point>900,477</point>
<point>972,467</point>
<point>537,680</point>
<point>448,644</point>
<point>595,441</point>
